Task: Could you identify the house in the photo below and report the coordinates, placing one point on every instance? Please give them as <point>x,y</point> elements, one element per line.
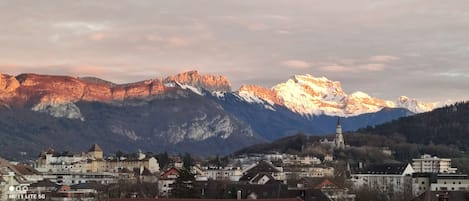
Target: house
<point>82,192</point>
<point>44,186</point>
<point>393,179</point>
<point>261,187</point>
<point>166,181</point>
<point>28,172</point>
<point>308,186</point>
<point>262,167</point>
<point>219,173</point>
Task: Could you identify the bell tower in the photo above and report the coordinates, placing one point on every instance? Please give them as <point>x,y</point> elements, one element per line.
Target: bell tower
<point>339,138</point>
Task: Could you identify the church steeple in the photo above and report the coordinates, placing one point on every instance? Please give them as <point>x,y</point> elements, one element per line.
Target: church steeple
<point>338,129</point>
<point>339,138</point>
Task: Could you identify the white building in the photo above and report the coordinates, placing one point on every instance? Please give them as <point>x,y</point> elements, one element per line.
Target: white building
<point>422,182</point>
<point>92,162</point>
<point>394,179</point>
<point>231,174</point>
<point>453,182</point>
<point>427,163</point>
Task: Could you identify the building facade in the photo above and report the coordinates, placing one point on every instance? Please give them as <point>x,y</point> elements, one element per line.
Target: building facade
<point>429,164</point>
<point>393,179</point>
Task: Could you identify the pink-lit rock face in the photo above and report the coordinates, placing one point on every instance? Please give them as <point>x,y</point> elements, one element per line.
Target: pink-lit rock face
<point>8,83</point>
<point>208,82</point>
<point>32,89</point>
<point>261,92</point>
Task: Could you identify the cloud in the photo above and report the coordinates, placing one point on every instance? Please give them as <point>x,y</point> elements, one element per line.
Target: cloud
<point>371,67</point>
<point>173,41</point>
<point>298,64</point>
<point>178,41</point>
<point>453,74</point>
<point>353,69</point>
<point>97,36</point>
<point>383,58</point>
<point>80,27</point>
<point>89,70</point>
<point>336,68</point>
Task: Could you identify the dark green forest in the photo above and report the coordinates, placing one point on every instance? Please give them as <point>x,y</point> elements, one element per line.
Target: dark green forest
<point>448,126</point>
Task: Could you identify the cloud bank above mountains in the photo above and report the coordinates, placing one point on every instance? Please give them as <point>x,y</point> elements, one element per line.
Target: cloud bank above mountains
<point>388,48</point>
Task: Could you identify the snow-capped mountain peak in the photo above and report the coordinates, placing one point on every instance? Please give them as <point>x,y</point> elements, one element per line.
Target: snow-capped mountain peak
<point>309,95</point>
<point>414,105</point>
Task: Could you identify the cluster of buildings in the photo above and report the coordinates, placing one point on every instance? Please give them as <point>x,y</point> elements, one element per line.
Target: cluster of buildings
<point>426,175</point>
<point>81,176</point>
<point>63,176</point>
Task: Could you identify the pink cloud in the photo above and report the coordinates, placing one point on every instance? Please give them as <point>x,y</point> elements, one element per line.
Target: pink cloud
<point>336,68</point>
<point>175,41</point>
<point>97,36</point>
<point>298,64</point>
<point>178,41</point>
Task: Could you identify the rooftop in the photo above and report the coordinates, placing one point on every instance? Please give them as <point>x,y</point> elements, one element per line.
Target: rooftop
<point>393,169</point>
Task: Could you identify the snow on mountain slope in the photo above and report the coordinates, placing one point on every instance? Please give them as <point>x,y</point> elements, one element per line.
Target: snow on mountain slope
<point>308,95</point>
<point>415,105</point>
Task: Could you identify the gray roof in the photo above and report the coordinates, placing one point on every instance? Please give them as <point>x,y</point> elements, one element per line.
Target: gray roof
<point>390,169</point>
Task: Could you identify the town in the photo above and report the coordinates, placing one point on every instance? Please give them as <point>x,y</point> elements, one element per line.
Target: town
<point>92,175</point>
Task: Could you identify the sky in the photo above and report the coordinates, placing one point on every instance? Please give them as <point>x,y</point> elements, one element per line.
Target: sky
<point>386,48</point>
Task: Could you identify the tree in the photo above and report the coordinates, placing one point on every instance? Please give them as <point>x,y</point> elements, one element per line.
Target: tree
<point>187,161</point>
<point>163,159</point>
<point>183,187</point>
<point>119,154</point>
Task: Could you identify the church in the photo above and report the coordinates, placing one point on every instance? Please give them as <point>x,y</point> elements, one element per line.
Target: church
<point>338,141</point>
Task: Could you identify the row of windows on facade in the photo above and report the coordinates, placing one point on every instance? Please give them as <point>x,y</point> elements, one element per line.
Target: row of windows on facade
<point>423,182</point>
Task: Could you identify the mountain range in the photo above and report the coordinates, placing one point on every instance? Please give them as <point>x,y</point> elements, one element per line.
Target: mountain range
<point>187,112</point>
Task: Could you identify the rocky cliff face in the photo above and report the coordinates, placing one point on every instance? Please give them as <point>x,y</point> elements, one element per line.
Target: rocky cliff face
<point>211,83</point>
<point>252,92</point>
<point>29,90</point>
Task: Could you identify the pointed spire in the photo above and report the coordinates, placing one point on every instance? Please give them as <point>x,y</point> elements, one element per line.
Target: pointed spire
<point>338,121</point>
